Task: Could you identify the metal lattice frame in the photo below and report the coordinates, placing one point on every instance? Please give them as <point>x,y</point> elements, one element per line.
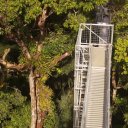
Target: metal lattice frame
<point>90,35</point>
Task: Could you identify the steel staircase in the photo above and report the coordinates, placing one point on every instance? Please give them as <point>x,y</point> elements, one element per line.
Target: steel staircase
<point>92,76</point>
<point>81,69</point>
<point>95,102</point>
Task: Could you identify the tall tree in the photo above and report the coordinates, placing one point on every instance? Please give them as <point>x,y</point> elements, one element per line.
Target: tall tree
<point>43,43</point>
<point>119,11</point>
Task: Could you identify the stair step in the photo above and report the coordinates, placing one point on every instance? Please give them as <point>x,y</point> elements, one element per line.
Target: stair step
<point>95,111</point>
<point>91,123</point>
<point>95,103</point>
<point>94,126</point>
<point>94,116</point>
<point>96,96</point>
<point>98,120</point>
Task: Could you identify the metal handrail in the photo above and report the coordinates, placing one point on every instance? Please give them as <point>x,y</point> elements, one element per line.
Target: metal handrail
<point>86,91</point>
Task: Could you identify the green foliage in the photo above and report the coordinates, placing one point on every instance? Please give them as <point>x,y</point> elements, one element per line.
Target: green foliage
<point>65,69</point>
<point>57,43</point>
<point>62,85</point>
<point>121,106</point>
<point>14,110</point>
<point>54,46</point>
<point>73,21</point>
<point>32,10</point>
<point>18,14</point>
<point>14,11</point>
<point>47,94</point>
<point>51,120</point>
<point>119,11</point>
<point>121,53</point>
<point>60,6</point>
<point>66,110</point>
<point>20,118</point>
<point>120,15</point>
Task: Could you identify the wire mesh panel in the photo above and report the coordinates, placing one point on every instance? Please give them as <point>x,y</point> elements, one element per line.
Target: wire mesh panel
<point>95,34</point>
<point>91,36</point>
<point>81,68</point>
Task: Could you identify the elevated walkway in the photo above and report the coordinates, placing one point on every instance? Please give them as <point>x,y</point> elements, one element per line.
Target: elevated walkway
<point>92,76</point>
<point>95,111</point>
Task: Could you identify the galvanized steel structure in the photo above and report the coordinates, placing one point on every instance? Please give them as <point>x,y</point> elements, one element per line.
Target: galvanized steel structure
<point>92,76</point>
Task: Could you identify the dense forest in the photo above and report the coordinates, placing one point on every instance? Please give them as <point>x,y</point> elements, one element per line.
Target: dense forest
<point>37,39</point>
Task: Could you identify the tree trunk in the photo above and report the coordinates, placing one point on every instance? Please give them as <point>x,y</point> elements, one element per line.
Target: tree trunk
<point>39,118</point>
<point>24,48</point>
<point>33,99</point>
<point>114,92</point>
<point>114,85</point>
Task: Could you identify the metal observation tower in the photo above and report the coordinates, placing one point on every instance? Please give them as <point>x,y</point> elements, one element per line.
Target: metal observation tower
<point>92,76</point>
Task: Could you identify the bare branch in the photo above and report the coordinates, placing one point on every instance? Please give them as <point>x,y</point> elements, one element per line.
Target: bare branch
<point>9,65</point>
<point>57,59</point>
<point>39,47</point>
<point>14,66</point>
<point>65,55</point>
<point>41,24</point>
<point>50,13</point>
<point>114,83</point>
<point>119,87</point>
<point>21,44</point>
<point>6,51</point>
<point>42,19</point>
<point>23,48</point>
